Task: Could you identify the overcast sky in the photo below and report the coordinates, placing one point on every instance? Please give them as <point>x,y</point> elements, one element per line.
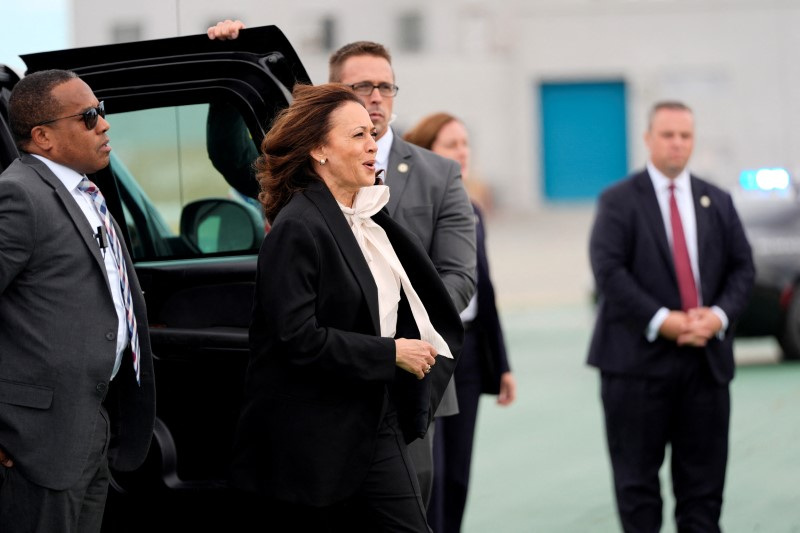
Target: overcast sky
<point>32,26</point>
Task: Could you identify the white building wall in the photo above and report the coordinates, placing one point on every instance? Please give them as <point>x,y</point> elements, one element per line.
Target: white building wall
<point>733,61</point>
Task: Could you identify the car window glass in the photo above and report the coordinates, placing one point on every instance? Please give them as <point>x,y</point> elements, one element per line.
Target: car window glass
<point>176,204</point>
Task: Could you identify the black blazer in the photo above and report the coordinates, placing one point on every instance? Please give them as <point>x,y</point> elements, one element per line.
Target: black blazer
<point>320,375</point>
<point>635,276</point>
<point>58,332</point>
<point>486,325</point>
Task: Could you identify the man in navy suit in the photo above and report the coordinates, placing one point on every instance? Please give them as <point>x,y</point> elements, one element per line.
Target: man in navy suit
<point>664,347</point>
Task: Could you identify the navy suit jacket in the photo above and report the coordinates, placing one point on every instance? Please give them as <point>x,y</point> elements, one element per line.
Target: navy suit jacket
<point>635,276</point>
<point>493,358</point>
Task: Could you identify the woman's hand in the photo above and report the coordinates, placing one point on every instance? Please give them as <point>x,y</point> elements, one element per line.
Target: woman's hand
<point>414,356</point>
<point>225,30</point>
<point>508,389</point>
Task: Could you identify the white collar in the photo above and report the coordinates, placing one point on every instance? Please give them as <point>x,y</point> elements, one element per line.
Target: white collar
<point>661,182</point>
<point>384,147</point>
<point>66,175</point>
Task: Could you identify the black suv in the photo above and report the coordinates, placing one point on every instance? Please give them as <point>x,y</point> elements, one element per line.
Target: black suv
<point>178,108</point>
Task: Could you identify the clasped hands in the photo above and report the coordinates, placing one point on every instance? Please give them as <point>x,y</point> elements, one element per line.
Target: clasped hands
<point>415,356</point>
<point>691,328</point>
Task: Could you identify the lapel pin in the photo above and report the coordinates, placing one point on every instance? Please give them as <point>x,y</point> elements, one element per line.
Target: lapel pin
<point>705,201</point>
<point>402,168</point>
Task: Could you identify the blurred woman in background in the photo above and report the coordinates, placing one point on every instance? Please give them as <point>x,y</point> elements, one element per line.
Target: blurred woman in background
<point>483,367</point>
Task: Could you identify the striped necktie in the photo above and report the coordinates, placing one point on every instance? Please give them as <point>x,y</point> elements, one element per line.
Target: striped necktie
<point>114,244</point>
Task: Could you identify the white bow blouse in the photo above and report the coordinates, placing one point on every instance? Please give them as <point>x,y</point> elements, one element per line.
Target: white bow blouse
<point>388,272</point>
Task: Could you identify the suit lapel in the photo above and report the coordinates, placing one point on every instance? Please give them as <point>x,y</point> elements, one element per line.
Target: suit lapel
<point>72,208</point>
<point>702,215</point>
<point>652,214</point>
<point>398,172</point>
<point>320,196</point>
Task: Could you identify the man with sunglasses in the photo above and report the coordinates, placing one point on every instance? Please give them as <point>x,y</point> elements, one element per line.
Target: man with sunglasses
<point>427,195</point>
<point>77,395</point>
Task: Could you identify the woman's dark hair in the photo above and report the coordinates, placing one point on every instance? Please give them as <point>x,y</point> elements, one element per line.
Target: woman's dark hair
<point>425,132</point>
<point>285,165</point>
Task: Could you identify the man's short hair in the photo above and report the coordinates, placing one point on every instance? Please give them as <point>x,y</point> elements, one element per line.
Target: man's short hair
<point>674,105</point>
<point>32,102</point>
<point>358,48</point>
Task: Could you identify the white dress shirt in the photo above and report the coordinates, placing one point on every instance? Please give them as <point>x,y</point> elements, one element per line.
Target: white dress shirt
<point>470,312</point>
<point>685,201</point>
<point>384,147</point>
<point>71,179</point>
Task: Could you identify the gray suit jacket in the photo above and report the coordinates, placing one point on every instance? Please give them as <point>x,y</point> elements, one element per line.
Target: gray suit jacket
<point>429,199</point>
<point>58,336</point>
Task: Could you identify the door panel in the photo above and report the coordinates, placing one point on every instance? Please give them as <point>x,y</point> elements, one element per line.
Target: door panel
<point>584,136</point>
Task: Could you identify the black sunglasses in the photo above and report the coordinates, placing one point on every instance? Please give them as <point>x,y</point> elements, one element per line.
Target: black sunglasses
<point>89,117</point>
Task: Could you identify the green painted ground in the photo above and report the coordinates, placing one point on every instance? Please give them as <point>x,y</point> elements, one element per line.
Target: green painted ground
<point>541,465</point>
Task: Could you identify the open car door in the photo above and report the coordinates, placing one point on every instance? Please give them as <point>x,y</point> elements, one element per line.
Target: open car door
<point>187,115</point>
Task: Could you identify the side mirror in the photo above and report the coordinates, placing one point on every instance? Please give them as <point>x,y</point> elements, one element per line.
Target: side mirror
<point>218,225</point>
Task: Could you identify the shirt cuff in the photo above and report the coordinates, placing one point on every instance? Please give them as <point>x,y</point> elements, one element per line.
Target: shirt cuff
<point>722,318</point>
<point>651,333</point>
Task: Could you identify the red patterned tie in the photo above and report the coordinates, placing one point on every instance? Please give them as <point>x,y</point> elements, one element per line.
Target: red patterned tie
<point>116,250</point>
<point>680,254</point>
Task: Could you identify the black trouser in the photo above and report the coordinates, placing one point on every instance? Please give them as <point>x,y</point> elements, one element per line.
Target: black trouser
<point>452,445</point>
<point>688,411</point>
<point>388,501</point>
<point>26,507</point>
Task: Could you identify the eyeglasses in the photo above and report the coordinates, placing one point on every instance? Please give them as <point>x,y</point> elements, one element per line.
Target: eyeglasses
<point>365,88</point>
<point>89,117</point>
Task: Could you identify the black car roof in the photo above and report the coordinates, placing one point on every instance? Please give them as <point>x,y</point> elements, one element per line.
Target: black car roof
<point>267,42</point>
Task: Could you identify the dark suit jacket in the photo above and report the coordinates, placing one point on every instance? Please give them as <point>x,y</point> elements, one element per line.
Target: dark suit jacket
<point>58,332</point>
<point>320,375</point>
<point>428,198</point>
<point>635,276</point>
<point>493,358</point>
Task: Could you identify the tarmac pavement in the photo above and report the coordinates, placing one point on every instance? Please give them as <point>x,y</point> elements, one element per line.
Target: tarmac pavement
<point>541,465</point>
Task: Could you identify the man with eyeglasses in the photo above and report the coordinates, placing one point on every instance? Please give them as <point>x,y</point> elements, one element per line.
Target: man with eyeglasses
<point>427,196</point>
<point>77,395</point>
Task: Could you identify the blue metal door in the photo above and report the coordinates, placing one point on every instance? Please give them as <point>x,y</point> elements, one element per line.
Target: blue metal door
<point>584,138</point>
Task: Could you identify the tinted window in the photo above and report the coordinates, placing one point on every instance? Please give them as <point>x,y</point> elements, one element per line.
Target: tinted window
<point>176,204</point>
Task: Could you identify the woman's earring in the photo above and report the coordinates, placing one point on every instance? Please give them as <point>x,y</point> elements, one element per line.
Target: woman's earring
<point>323,161</point>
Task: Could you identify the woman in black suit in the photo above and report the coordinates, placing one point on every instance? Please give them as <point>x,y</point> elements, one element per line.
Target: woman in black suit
<point>483,367</point>
<point>353,337</point>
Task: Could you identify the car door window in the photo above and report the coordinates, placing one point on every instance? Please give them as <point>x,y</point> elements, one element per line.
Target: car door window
<point>176,204</point>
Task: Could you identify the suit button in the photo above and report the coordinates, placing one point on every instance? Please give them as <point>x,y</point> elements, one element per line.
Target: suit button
<point>101,387</point>
<point>111,335</point>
